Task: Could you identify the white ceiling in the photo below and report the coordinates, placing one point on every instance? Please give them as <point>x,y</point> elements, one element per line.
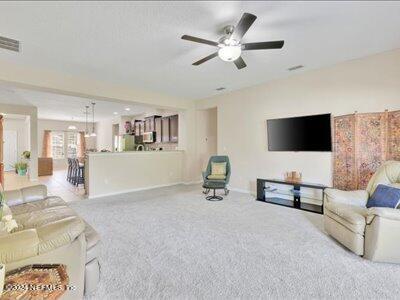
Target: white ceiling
<point>138,43</point>
<point>67,108</point>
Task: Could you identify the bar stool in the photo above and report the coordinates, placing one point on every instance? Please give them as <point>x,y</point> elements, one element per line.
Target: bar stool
<point>79,172</point>
<point>69,172</point>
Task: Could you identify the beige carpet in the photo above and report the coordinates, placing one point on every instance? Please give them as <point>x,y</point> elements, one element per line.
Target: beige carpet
<point>172,243</point>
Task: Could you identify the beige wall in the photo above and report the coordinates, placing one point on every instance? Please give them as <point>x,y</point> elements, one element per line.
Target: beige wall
<point>364,85</point>
<point>206,134</point>
<point>104,130</point>
<point>55,125</point>
<point>114,173</point>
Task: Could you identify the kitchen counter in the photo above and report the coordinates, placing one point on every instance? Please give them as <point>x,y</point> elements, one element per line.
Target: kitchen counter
<point>110,173</point>
<point>132,152</point>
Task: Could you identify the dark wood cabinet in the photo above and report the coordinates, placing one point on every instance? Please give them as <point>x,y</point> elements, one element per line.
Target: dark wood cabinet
<point>139,127</point>
<point>173,128</point>
<point>150,123</point>
<point>158,129</point>
<point>165,129</point>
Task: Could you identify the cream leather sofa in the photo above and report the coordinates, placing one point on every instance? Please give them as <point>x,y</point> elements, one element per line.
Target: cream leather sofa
<point>49,231</point>
<point>373,233</point>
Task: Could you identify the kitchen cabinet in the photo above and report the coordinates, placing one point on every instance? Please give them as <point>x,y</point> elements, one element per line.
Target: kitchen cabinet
<point>158,129</point>
<point>165,129</point>
<point>173,128</point>
<point>149,123</point>
<point>139,127</point>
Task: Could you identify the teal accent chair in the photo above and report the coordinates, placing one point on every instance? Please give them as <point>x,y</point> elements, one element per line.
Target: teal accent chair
<point>216,184</point>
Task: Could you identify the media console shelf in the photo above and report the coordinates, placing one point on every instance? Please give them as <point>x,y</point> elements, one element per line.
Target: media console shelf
<point>300,195</point>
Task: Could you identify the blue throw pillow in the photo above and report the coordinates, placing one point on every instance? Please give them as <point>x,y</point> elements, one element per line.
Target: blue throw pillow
<point>384,196</point>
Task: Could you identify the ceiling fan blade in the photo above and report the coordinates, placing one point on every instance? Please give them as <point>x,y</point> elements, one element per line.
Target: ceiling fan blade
<point>244,24</point>
<point>198,40</point>
<point>203,60</point>
<point>263,45</point>
<point>239,63</point>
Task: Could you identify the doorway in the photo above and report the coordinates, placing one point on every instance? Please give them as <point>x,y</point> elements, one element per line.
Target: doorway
<point>10,149</point>
<point>207,134</point>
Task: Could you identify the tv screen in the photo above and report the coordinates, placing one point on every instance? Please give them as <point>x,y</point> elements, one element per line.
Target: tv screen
<point>307,133</point>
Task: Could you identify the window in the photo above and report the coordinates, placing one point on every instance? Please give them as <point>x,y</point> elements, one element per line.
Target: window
<point>72,144</point>
<point>57,144</point>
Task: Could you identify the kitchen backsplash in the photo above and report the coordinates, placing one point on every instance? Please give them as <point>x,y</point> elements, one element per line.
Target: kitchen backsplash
<point>165,146</point>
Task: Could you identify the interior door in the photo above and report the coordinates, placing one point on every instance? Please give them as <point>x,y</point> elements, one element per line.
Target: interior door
<point>10,149</point>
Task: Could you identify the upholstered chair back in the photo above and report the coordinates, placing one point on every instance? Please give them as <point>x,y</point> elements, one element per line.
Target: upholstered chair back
<point>388,173</point>
<point>219,159</point>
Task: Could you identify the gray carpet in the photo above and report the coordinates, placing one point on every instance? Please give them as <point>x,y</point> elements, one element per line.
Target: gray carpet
<point>172,243</point>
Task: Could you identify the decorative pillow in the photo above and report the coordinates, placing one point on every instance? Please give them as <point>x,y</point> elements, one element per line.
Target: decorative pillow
<point>7,223</point>
<point>218,168</point>
<point>6,210</point>
<point>216,177</point>
<point>385,196</point>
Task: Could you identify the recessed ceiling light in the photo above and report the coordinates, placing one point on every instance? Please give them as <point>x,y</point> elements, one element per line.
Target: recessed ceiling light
<point>115,113</point>
<point>220,89</point>
<point>295,67</point>
<point>127,109</point>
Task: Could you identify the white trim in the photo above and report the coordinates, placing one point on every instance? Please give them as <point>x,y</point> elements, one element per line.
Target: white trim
<point>192,182</point>
<point>241,191</point>
<point>134,190</point>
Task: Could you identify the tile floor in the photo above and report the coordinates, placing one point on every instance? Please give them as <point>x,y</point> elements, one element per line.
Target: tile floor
<point>57,185</point>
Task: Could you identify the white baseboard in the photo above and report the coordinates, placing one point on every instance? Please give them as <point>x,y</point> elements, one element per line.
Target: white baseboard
<point>241,191</point>
<point>161,186</point>
<point>134,190</point>
<point>192,182</point>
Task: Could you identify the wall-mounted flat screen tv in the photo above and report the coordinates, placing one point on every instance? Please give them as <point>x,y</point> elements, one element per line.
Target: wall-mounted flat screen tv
<point>307,133</point>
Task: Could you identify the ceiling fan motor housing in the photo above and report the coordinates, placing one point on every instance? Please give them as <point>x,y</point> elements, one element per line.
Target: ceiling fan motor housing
<point>229,29</point>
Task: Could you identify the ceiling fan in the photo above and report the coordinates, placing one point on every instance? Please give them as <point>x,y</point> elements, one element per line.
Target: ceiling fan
<point>230,46</point>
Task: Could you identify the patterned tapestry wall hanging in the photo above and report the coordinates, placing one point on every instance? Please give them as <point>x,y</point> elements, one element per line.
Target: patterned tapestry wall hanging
<point>361,143</point>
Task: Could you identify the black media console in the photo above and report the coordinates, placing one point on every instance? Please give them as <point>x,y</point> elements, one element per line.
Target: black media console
<point>300,195</point>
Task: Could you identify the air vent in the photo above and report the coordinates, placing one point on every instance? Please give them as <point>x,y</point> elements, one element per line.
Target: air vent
<point>295,68</point>
<point>9,44</point>
<point>220,89</point>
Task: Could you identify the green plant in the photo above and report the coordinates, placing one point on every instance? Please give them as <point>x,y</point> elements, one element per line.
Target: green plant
<point>26,154</point>
<point>2,201</point>
<point>21,165</point>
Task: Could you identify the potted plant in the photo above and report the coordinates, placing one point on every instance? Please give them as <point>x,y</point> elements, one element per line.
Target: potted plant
<point>26,155</point>
<point>21,168</point>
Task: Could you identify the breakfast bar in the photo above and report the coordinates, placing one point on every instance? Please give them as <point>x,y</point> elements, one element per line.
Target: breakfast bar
<point>110,173</point>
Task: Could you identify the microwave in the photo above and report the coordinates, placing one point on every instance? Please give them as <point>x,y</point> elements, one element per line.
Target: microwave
<point>149,137</point>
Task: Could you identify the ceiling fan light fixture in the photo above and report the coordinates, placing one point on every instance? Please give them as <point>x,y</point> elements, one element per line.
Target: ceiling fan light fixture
<point>230,53</point>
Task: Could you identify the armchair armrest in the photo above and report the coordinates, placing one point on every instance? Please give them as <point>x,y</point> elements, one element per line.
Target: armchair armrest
<point>204,173</point>
<point>228,176</point>
<point>357,198</point>
<point>383,212</point>
<point>19,245</point>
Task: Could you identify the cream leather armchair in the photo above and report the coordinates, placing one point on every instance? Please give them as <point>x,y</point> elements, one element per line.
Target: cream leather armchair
<point>373,233</point>
<point>49,231</point>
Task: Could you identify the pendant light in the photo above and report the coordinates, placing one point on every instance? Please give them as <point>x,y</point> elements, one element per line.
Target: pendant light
<point>86,123</point>
<point>72,127</point>
<point>93,133</point>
